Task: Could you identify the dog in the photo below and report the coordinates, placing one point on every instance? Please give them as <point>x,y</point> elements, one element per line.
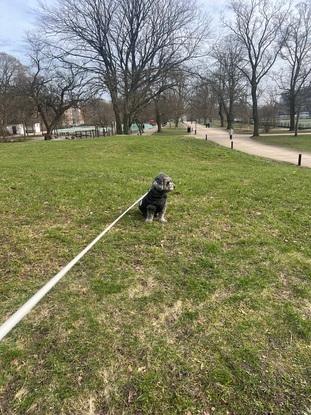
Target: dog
<point>153,205</point>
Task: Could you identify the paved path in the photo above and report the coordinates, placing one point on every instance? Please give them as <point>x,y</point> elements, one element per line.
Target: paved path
<point>249,145</point>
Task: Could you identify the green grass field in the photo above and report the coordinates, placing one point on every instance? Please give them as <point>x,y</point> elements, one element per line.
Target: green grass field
<point>300,143</point>
<point>207,314</point>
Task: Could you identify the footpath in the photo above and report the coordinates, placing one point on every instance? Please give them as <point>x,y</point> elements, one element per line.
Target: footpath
<point>249,145</point>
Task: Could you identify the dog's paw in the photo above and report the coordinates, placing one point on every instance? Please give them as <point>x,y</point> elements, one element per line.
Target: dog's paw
<point>148,220</point>
<point>162,220</point>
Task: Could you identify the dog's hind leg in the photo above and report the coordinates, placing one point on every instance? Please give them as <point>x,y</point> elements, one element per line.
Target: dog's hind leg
<point>151,210</point>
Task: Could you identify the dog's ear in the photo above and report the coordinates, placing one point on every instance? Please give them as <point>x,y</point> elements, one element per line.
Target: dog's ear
<point>158,185</point>
<point>158,182</point>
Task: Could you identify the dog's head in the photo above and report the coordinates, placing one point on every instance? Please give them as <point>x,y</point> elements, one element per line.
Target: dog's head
<point>163,183</point>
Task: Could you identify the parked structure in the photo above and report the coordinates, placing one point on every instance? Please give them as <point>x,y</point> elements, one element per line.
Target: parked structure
<point>73,117</point>
<point>21,129</point>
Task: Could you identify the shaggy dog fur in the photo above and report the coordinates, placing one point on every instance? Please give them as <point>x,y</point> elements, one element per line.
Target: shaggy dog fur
<point>153,205</point>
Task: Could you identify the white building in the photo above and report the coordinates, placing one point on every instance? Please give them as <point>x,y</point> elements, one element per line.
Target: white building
<point>36,128</point>
<point>20,129</point>
<point>73,117</point>
<point>16,129</point>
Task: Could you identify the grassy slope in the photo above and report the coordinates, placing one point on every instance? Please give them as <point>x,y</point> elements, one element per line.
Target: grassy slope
<point>300,143</point>
<point>206,314</point>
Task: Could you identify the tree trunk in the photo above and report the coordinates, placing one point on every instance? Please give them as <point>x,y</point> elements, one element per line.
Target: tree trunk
<point>117,117</point>
<point>296,122</point>
<point>116,110</point>
<point>158,117</point>
<point>48,127</point>
<point>226,110</point>
<point>292,112</point>
<point>255,110</point>
<point>230,118</point>
<point>127,122</point>
<point>230,115</point>
<point>118,122</point>
<point>3,130</point>
<point>126,129</point>
<point>176,122</point>
<point>221,115</point>
<point>48,135</point>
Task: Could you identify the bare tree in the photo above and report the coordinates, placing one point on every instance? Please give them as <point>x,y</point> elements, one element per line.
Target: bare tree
<point>257,26</point>
<point>54,86</point>
<point>11,71</point>
<point>131,45</point>
<point>227,80</point>
<point>176,99</point>
<point>269,111</point>
<point>98,112</point>
<point>296,52</point>
<point>171,104</point>
<point>202,102</point>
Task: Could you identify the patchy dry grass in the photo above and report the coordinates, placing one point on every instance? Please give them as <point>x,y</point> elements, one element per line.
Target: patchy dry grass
<point>209,314</point>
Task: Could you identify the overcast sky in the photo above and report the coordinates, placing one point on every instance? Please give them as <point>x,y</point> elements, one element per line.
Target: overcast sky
<point>17,17</point>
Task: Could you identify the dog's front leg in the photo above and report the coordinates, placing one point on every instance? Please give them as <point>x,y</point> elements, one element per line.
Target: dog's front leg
<point>162,214</point>
<point>150,213</point>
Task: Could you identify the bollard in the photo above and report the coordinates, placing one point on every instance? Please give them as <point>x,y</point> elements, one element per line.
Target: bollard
<point>231,145</point>
<point>231,133</point>
<point>299,159</point>
<point>195,131</point>
<point>205,136</point>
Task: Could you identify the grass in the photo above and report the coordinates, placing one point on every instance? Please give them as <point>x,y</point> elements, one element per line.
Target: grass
<point>285,131</point>
<point>14,139</point>
<point>208,314</point>
<point>300,143</point>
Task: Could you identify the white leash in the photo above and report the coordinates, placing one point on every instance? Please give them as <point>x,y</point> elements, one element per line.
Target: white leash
<point>12,321</point>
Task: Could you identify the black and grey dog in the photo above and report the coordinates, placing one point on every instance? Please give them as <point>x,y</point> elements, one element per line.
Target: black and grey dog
<point>153,205</point>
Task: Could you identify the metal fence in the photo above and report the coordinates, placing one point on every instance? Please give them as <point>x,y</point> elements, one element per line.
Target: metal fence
<point>82,132</point>
<point>303,124</point>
